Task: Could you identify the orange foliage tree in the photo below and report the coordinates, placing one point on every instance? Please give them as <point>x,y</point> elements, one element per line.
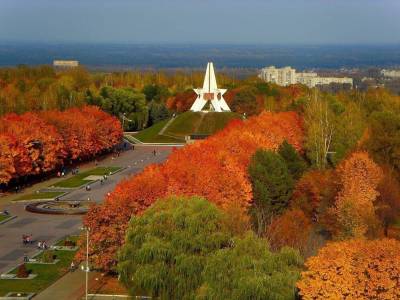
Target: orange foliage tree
<point>42,142</point>
<point>35,143</point>
<point>313,193</point>
<point>354,208</point>
<point>291,229</point>
<point>354,269</point>
<point>215,168</point>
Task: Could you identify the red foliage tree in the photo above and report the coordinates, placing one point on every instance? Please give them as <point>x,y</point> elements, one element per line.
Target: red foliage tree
<point>181,102</point>
<point>44,145</point>
<point>215,169</point>
<point>36,143</point>
<point>291,229</point>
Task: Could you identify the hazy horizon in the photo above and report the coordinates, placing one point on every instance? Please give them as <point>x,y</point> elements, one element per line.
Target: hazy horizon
<point>259,22</point>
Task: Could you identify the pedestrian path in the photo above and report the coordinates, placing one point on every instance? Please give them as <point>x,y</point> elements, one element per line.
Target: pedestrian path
<point>70,287</point>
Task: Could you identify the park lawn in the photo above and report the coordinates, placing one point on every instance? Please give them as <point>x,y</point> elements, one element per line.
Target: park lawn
<point>41,195</point>
<point>78,179</point>
<point>4,217</point>
<point>215,121</point>
<point>47,274</point>
<point>108,285</point>
<point>185,124</point>
<point>150,134</point>
<point>73,238</point>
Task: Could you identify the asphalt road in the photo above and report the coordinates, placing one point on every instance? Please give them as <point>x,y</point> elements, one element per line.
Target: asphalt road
<point>51,228</point>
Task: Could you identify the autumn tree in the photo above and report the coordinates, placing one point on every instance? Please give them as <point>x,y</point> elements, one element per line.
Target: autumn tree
<point>249,270</point>
<point>295,163</point>
<point>384,138</point>
<point>272,186</point>
<point>245,101</point>
<point>354,208</point>
<point>167,247</point>
<point>314,193</point>
<point>204,169</point>
<point>354,269</point>
<point>292,229</point>
<point>388,201</point>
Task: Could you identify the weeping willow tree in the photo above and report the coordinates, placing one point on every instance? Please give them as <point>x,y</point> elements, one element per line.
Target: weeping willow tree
<point>250,271</point>
<point>183,248</point>
<point>167,247</point>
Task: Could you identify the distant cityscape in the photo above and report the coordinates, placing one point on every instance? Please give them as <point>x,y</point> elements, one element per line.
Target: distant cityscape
<point>287,76</point>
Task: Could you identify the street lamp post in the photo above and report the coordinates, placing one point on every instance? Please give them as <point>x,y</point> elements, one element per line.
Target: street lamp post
<point>123,121</point>
<point>86,269</point>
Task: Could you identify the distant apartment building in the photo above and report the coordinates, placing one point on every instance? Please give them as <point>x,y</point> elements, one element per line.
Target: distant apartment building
<point>66,63</point>
<point>287,76</point>
<point>281,76</point>
<point>391,73</point>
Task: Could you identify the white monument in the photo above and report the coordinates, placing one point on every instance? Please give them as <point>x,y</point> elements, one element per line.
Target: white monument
<point>210,94</point>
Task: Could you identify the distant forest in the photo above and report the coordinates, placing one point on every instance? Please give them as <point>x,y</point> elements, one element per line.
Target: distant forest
<point>154,56</point>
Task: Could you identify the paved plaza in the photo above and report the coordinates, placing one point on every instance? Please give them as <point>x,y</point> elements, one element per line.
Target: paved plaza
<point>51,228</point>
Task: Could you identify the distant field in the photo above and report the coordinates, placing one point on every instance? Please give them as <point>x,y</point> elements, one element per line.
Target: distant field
<point>78,180</point>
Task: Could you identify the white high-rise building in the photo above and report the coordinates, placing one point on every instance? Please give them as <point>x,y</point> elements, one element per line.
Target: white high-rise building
<point>287,76</point>
<point>281,76</point>
<point>210,93</point>
<point>391,73</point>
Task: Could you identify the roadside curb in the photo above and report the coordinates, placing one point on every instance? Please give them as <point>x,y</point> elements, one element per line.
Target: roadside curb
<point>7,220</point>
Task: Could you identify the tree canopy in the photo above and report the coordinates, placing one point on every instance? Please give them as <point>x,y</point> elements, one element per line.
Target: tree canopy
<point>181,248</point>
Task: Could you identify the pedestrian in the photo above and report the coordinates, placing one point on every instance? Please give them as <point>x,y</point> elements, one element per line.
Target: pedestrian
<point>102,181</point>
<point>154,152</point>
<point>26,258</point>
<point>39,245</point>
<point>72,266</point>
<point>133,147</point>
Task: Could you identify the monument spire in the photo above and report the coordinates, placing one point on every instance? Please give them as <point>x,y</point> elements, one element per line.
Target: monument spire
<point>210,93</point>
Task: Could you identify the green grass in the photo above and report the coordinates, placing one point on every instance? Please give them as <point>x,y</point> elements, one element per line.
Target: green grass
<point>185,124</point>
<point>4,217</point>
<point>213,122</point>
<point>397,223</point>
<point>35,196</point>
<point>73,238</point>
<point>150,135</point>
<point>78,180</point>
<point>47,274</point>
<point>200,123</point>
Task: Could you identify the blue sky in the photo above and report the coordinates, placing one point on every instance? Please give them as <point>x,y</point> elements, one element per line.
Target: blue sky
<point>202,21</point>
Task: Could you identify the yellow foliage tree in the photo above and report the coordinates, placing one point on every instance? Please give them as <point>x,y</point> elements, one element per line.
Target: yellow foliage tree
<point>354,269</point>
<point>354,208</point>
